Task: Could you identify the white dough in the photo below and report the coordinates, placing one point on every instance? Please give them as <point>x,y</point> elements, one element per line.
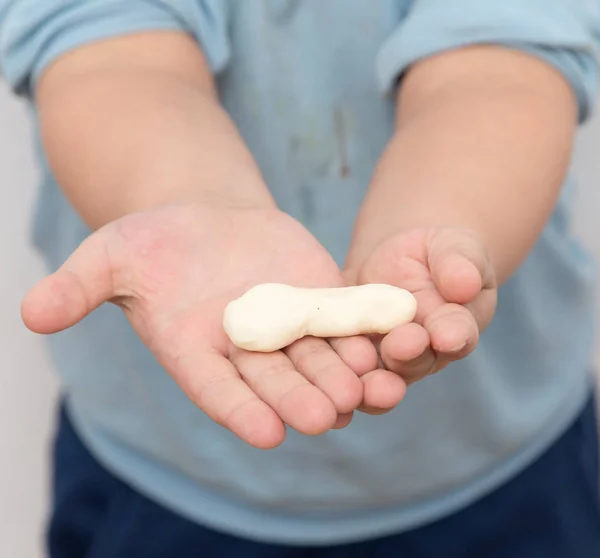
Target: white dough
<point>271,316</point>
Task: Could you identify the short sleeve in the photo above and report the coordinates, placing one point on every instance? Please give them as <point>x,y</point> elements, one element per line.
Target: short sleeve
<point>35,32</point>
<point>564,33</point>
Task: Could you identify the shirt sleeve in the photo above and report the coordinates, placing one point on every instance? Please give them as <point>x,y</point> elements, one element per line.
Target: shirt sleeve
<point>564,33</point>
<point>35,32</point>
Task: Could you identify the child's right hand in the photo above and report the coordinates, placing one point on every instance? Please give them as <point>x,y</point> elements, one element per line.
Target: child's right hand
<point>173,270</point>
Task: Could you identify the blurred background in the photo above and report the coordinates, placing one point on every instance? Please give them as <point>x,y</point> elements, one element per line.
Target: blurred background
<point>28,387</point>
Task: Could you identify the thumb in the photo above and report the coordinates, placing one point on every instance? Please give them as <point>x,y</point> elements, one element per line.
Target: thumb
<point>459,265</point>
<point>82,284</point>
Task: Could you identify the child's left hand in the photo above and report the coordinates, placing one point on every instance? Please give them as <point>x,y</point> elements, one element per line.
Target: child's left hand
<point>449,272</point>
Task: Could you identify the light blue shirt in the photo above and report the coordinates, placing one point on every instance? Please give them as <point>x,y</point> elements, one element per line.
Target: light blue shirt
<point>289,72</point>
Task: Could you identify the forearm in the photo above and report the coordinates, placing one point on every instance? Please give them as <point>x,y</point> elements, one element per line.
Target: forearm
<point>135,122</point>
<point>483,140</point>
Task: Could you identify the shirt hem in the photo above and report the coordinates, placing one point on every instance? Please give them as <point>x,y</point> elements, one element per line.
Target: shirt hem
<point>269,527</point>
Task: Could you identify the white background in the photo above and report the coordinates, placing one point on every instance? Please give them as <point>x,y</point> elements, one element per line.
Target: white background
<point>27,385</point>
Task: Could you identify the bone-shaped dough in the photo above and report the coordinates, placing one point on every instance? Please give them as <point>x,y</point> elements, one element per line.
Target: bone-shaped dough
<point>271,316</point>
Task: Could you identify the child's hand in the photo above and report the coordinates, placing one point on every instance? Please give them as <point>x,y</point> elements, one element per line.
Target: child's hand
<point>173,270</point>
<point>448,271</point>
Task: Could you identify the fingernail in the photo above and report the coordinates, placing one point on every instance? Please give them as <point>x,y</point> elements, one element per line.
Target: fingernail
<point>458,348</point>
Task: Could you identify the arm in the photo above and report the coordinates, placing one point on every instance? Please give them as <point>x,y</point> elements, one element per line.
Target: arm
<point>483,141</point>
<point>145,95</point>
<point>134,133</point>
<point>490,98</point>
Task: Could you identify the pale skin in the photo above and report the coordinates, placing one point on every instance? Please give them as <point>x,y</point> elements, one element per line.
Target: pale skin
<point>184,223</point>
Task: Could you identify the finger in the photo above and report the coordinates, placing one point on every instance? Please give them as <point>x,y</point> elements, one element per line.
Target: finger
<point>343,421</point>
<point>453,331</point>
<point>484,307</point>
<point>374,411</point>
<point>359,353</point>
<point>413,370</point>
<point>459,265</point>
<point>67,296</point>
<point>274,379</point>
<point>321,366</point>
<point>215,386</point>
<point>405,343</point>
<point>406,351</point>
<point>383,390</point>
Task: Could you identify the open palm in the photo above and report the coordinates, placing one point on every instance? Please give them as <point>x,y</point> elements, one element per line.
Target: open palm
<point>173,270</point>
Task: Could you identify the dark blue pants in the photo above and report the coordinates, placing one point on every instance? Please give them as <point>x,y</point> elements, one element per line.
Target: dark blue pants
<point>551,510</point>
